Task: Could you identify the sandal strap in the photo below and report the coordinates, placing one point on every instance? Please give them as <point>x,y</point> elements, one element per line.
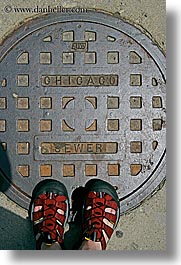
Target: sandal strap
<point>50,219</point>
<point>101,215</point>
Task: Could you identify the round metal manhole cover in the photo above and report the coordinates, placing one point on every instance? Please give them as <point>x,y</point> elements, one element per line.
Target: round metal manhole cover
<point>81,97</point>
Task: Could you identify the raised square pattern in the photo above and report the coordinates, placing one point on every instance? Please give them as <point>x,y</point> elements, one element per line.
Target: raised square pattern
<point>90,58</point>
<point>113,125</point>
<point>45,103</point>
<point>136,147</point>
<point>135,102</point>
<point>23,148</point>
<point>68,58</point>
<point>3,103</point>
<point>135,124</point>
<point>46,170</point>
<point>90,170</point>
<point>113,169</point>
<point>23,80</point>
<point>45,125</point>
<point>135,80</point>
<point>2,125</point>
<point>23,125</point>
<point>45,58</point>
<point>113,102</point>
<point>23,103</point>
<point>69,170</point>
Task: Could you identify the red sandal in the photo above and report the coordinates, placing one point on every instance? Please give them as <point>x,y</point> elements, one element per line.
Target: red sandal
<point>101,212</point>
<point>49,211</point>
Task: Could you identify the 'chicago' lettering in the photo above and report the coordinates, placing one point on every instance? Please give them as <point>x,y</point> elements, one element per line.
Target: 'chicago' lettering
<point>79,80</point>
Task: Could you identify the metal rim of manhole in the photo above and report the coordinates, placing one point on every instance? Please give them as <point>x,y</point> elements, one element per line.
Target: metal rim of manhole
<point>81,97</point>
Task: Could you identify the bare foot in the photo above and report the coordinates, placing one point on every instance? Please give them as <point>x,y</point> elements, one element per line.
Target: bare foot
<point>90,245</point>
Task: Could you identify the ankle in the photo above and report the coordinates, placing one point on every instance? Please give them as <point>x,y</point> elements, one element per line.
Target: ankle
<point>90,245</point>
<point>54,246</point>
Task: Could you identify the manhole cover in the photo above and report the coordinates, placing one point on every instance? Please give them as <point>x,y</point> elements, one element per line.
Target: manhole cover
<point>81,97</point>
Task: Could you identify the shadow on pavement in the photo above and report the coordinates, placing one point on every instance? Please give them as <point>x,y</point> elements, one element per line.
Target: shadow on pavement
<point>15,232</point>
<point>5,168</point>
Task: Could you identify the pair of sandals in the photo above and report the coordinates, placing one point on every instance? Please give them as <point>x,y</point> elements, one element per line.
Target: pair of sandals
<point>95,212</point>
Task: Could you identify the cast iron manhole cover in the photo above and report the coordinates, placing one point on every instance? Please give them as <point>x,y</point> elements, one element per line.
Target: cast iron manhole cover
<point>81,97</point>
